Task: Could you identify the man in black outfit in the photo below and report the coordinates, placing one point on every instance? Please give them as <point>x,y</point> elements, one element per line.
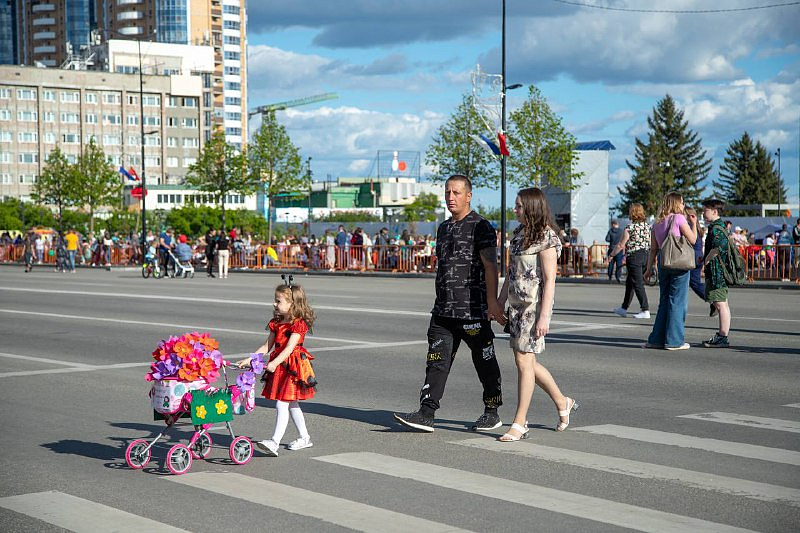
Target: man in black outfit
<point>211,248</point>
<point>466,302</point>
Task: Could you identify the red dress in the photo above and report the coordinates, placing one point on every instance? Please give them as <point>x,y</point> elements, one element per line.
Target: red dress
<point>281,385</point>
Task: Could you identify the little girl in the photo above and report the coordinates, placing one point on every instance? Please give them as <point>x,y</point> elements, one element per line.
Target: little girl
<point>293,317</point>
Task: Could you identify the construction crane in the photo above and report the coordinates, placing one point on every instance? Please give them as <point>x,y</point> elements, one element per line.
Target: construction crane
<point>292,103</point>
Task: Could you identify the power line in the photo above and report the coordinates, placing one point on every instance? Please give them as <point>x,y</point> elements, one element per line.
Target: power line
<point>676,11</point>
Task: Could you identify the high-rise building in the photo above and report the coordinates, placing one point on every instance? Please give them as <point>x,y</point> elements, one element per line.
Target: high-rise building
<point>8,37</point>
<point>51,32</point>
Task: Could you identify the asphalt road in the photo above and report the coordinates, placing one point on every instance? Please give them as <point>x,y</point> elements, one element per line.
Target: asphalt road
<point>664,441</point>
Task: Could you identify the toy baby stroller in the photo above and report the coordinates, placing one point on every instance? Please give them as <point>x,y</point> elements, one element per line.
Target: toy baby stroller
<point>177,268</point>
<point>173,397</point>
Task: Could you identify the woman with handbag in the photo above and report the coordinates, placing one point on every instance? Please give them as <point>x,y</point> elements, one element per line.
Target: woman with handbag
<point>672,240</point>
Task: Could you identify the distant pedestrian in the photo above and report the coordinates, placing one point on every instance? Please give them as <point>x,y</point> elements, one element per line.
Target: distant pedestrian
<point>716,291</point>
<point>636,242</point>
<point>223,253</point>
<point>784,246</point>
<point>72,248</point>
<point>577,251</point>
<point>613,237</point>
<point>695,279</point>
<point>29,250</point>
<point>669,326</point>
<point>211,249</point>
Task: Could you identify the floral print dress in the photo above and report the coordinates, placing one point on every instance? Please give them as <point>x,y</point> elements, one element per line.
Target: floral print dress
<point>525,290</point>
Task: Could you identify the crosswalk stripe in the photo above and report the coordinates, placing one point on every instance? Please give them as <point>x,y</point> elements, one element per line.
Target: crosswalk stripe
<point>747,420</point>
<point>626,467</point>
<point>76,514</point>
<point>559,501</point>
<point>751,451</point>
<point>346,513</point>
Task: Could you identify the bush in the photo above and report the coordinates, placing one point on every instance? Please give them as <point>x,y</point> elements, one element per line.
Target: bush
<point>348,216</point>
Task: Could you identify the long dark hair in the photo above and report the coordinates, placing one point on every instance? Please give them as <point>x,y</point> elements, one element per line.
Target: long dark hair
<point>536,215</point>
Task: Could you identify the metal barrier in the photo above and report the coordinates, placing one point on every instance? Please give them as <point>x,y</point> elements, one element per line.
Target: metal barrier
<point>775,262</point>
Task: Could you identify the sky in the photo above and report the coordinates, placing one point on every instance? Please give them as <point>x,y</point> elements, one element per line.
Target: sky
<point>401,67</point>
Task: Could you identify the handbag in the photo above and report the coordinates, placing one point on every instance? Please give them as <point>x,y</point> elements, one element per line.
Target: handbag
<point>676,252</point>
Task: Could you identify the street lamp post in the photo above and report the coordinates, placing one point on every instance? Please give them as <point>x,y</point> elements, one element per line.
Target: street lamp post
<point>141,141</point>
<point>502,156</point>
<point>780,183</point>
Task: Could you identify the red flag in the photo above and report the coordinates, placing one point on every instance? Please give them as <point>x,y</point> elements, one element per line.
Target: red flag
<point>133,173</point>
<point>503,146</point>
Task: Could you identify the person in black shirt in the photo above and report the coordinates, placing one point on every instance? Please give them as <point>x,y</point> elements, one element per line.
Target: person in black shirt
<point>211,248</point>
<point>466,302</point>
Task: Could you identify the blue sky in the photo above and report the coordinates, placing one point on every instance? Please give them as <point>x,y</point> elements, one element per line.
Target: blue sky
<point>400,68</point>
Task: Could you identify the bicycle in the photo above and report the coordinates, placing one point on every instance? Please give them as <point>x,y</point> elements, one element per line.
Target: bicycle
<point>151,267</point>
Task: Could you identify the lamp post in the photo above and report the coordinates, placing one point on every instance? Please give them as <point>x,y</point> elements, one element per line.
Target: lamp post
<point>141,141</point>
<point>502,156</point>
<point>780,183</point>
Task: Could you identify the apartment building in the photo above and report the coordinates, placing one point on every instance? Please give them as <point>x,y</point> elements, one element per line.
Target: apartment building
<point>51,32</point>
<point>42,107</point>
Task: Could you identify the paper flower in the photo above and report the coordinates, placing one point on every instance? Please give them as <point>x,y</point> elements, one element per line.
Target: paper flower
<point>201,412</point>
<point>246,380</point>
<point>190,357</point>
<point>221,406</point>
<point>257,362</point>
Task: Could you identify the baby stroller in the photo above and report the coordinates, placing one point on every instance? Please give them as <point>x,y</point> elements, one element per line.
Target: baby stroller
<point>172,400</point>
<point>176,268</point>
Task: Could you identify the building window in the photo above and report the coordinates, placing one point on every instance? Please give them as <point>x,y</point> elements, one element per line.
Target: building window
<point>111,98</point>
<point>230,39</point>
<point>232,116</point>
<point>5,157</point>
<point>151,100</point>
<point>190,123</point>
<point>112,119</point>
<point>71,138</point>
<point>190,101</point>
<point>172,142</point>
<point>172,162</point>
<point>5,114</point>
<point>133,120</point>
<point>152,161</point>
<point>230,10</point>
<point>235,56</point>
<point>233,86</point>
<point>5,94</point>
<point>189,161</point>
<point>126,69</point>
<point>133,140</point>
<point>48,96</point>
<point>47,116</point>
<point>27,116</point>
<point>152,140</point>
<point>27,179</point>
<point>6,137</point>
<point>5,179</point>
<point>26,94</point>
<point>71,158</point>
<point>28,157</point>
<point>152,121</point>
<point>191,142</point>
<point>230,24</point>
<point>71,97</point>
<point>233,131</point>
<point>91,98</point>
<point>27,137</point>
<point>90,118</point>
<point>70,118</point>
<point>133,99</point>
<point>50,137</point>
<point>111,140</point>
<point>233,71</point>
<point>174,101</point>
<point>173,122</point>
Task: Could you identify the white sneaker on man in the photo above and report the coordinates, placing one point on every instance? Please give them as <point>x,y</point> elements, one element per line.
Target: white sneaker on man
<point>642,314</point>
<point>621,312</point>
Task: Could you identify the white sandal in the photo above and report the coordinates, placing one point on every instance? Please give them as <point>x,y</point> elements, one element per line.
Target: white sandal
<point>299,444</point>
<point>508,437</point>
<point>570,407</point>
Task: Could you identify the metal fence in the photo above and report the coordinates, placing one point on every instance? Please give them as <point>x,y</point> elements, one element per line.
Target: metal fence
<point>777,262</point>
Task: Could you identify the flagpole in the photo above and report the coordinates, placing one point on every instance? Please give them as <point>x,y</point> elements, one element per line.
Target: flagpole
<point>502,156</point>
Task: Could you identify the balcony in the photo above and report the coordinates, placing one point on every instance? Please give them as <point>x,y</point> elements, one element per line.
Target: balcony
<point>130,15</point>
<point>44,21</point>
<point>38,8</point>
<point>49,49</point>
<point>40,35</point>
<point>131,30</point>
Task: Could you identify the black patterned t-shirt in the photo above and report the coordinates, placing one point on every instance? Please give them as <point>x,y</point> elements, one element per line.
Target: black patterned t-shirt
<point>460,276</point>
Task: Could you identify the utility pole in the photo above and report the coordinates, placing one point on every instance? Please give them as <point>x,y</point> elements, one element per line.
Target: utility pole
<point>141,141</point>
<point>502,156</point>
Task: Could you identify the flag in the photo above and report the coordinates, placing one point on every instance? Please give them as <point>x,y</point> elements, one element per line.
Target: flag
<point>126,173</point>
<point>503,146</point>
<point>133,173</point>
<point>486,144</point>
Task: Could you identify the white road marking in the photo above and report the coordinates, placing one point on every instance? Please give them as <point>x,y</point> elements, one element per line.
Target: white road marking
<point>44,360</point>
<point>558,501</point>
<point>329,509</point>
<point>615,465</point>
<point>747,420</point>
<point>76,514</point>
<point>795,405</point>
<point>750,451</point>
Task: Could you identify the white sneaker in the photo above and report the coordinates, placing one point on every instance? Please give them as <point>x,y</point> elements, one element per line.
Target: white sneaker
<point>269,447</point>
<point>684,346</point>
<point>621,312</point>
<point>642,314</point>
<point>300,443</point>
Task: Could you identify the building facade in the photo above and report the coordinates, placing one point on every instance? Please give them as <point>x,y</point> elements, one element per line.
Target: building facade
<point>52,32</point>
<point>41,108</point>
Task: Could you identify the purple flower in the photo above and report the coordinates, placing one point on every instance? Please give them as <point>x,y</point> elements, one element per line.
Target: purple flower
<point>166,368</point>
<point>246,380</point>
<point>216,356</point>
<point>257,362</point>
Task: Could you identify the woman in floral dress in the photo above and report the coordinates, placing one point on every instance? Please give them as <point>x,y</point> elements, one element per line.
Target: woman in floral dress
<point>529,289</point>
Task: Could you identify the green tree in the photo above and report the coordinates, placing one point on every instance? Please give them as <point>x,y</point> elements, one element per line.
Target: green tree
<point>274,162</point>
<point>347,216</point>
<point>748,176</point>
<point>57,185</point>
<point>220,170</point>
<point>493,213</point>
<point>453,150</point>
<point>422,209</point>
<point>542,150</point>
<point>97,183</point>
<point>672,159</point>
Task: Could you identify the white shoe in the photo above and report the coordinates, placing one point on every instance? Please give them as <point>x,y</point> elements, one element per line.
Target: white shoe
<point>269,447</point>
<point>684,346</point>
<point>300,443</point>
<point>642,314</point>
<point>621,312</point>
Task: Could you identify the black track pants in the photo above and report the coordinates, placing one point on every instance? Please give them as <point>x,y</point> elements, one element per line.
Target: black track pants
<point>444,337</point>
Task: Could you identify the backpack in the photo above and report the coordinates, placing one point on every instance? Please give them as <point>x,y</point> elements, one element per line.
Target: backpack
<point>733,267</point>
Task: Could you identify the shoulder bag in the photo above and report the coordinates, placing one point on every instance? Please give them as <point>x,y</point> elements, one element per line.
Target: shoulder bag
<point>676,252</point>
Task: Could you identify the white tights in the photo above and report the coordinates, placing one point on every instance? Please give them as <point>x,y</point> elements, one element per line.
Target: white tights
<point>285,409</point>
